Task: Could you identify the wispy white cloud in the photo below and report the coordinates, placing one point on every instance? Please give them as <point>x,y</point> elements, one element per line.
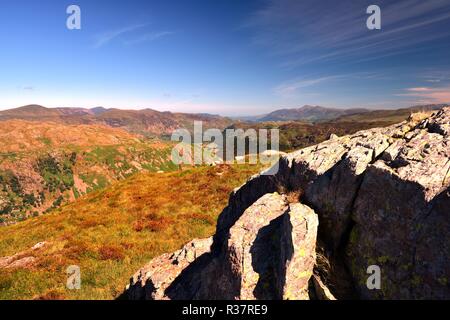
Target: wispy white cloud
<point>293,87</point>
<point>436,76</point>
<point>290,88</point>
<point>105,38</point>
<point>428,95</point>
<point>419,89</point>
<point>148,37</point>
<point>303,32</point>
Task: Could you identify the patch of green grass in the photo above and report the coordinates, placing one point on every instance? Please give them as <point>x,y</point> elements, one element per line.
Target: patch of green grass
<point>105,155</point>
<point>95,181</point>
<point>13,156</point>
<point>57,173</point>
<point>45,141</point>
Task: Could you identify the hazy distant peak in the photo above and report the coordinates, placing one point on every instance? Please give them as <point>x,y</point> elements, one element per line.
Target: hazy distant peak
<point>98,110</point>
<point>309,113</point>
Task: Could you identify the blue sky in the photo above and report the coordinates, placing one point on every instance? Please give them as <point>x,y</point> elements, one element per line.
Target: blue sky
<point>225,57</point>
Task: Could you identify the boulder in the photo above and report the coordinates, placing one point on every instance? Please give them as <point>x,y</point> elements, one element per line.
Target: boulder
<point>271,249</point>
<point>153,279</point>
<point>329,176</point>
<point>401,224</point>
<point>23,259</point>
<point>269,253</point>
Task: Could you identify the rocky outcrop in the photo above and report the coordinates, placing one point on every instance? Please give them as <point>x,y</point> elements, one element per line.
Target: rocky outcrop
<point>269,254</point>
<point>271,249</point>
<point>381,196</point>
<point>402,217</point>
<point>23,259</point>
<point>152,280</point>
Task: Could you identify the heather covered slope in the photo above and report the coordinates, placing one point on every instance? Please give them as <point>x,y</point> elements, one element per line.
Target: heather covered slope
<point>46,164</point>
<point>23,136</point>
<point>110,233</point>
<point>381,197</point>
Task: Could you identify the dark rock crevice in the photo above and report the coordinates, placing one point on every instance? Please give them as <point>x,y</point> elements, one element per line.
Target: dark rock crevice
<point>270,266</point>
<point>447,173</point>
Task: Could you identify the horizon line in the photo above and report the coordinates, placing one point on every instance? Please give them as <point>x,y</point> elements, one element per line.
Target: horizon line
<point>233,116</point>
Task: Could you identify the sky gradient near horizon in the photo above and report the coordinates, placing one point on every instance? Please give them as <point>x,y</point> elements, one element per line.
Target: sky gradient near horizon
<point>224,57</point>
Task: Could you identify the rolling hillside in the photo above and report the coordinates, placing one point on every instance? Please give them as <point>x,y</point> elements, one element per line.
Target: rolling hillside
<point>109,233</point>
<point>146,122</point>
<point>43,165</point>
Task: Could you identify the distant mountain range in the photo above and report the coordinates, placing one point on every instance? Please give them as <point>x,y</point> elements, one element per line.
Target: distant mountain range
<point>309,113</point>
<point>147,122</point>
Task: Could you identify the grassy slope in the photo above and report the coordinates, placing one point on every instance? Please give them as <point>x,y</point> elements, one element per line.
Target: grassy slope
<point>113,232</point>
<point>45,164</point>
